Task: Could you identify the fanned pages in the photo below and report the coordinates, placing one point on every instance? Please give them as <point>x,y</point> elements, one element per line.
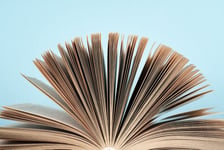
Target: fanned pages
<point>103,108</point>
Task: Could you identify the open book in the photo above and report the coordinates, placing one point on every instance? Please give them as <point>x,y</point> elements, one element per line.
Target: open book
<point>103,108</point>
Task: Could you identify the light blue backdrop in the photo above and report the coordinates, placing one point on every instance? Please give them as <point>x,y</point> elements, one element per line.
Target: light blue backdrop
<point>28,28</point>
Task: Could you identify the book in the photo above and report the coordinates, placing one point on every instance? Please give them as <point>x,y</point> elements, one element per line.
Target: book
<point>110,103</point>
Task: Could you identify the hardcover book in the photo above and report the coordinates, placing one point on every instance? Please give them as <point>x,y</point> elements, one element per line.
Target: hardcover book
<point>107,105</point>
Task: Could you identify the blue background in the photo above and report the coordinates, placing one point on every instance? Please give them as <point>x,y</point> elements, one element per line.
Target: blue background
<point>28,28</point>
